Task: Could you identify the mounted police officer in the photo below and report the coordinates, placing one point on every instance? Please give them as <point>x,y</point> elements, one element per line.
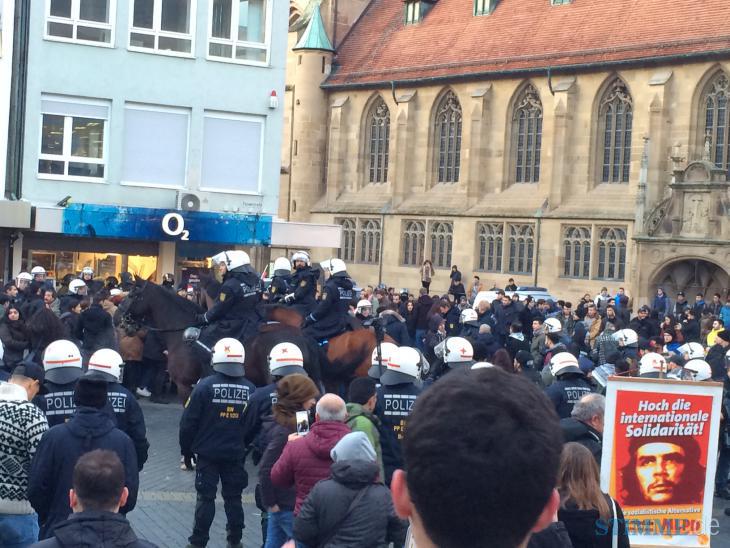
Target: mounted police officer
<point>303,284</point>
<point>396,396</point>
<point>330,316</point>
<point>281,282</point>
<point>107,363</point>
<point>212,427</point>
<point>234,312</point>
<point>87,275</point>
<point>62,364</point>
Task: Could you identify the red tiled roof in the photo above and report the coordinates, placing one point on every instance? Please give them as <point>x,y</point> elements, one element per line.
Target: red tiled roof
<point>525,35</point>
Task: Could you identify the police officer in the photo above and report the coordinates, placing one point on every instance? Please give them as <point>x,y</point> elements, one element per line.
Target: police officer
<point>570,384</point>
<point>469,324</point>
<point>396,396</point>
<point>87,275</point>
<point>234,312</point>
<point>281,282</point>
<point>652,366</point>
<point>364,310</point>
<point>329,318</point>
<point>304,284</point>
<point>39,274</point>
<point>455,353</point>
<point>127,412</point>
<point>168,281</point>
<point>62,364</point>
<point>379,360</point>
<point>212,427</point>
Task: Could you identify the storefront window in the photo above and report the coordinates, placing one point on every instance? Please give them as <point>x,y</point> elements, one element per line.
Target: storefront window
<point>60,263</point>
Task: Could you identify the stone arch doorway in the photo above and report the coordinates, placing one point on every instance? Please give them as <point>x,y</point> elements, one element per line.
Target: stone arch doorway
<point>691,276</point>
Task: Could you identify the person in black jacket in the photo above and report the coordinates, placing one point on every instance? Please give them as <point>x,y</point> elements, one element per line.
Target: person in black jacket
<point>304,281</point>
<point>395,326</point>
<point>89,428</point>
<point>716,355</point>
<point>13,336</point>
<point>295,393</point>
<point>420,311</point>
<point>350,508</point>
<point>95,329</point>
<point>329,317</point>
<point>585,424</point>
<point>63,366</point>
<point>212,427</point>
<point>570,384</point>
<point>97,495</point>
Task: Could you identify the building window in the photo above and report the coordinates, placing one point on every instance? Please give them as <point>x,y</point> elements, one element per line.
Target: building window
<point>559,2</point>
<point>163,25</point>
<point>441,243</point>
<point>347,251</point>
<point>616,118</point>
<point>521,249</point>
<point>378,141</point>
<point>527,131</point>
<point>612,254</point>
<point>73,139</point>
<point>716,123</point>
<point>84,21</point>
<point>484,7</point>
<point>155,145</point>
<point>413,12</point>
<point>238,31</point>
<point>448,137</point>
<point>577,252</point>
<point>491,239</point>
<point>414,242</point>
<point>369,241</point>
<point>232,152</point>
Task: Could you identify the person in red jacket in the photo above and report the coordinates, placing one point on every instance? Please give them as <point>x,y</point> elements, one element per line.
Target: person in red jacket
<point>306,458</point>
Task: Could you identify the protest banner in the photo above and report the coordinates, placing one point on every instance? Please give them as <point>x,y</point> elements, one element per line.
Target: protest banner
<point>659,458</point>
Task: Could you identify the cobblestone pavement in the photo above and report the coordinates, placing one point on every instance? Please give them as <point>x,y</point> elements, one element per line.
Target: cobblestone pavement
<point>164,512</point>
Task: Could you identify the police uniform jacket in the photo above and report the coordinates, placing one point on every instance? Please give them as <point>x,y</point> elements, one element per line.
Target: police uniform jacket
<point>280,286</point>
<point>129,419</point>
<point>58,403</point>
<point>566,391</point>
<point>304,282</point>
<point>60,447</point>
<point>212,424</point>
<point>331,312</point>
<point>259,407</point>
<point>394,405</point>
<point>237,299</point>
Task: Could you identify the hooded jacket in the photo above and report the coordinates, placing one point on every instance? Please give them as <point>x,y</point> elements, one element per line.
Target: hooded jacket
<point>94,530</point>
<point>284,498</point>
<point>60,447</point>
<point>15,340</point>
<point>420,310</point>
<point>395,326</point>
<point>95,329</point>
<point>371,523</point>
<point>306,460</point>
<point>586,435</point>
<point>588,530</point>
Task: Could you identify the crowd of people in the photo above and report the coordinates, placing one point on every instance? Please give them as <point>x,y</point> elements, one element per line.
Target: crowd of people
<point>381,461</point>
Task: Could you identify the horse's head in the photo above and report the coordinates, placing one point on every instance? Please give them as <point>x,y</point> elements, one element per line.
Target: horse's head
<point>136,305</point>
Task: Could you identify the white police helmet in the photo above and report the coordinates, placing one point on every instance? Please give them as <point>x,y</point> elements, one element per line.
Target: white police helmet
<point>693,350</point>
<point>553,325</point>
<point>652,364</point>
<point>699,369</point>
<point>458,350</point>
<point>301,256</point>
<point>228,357</point>
<point>286,359</point>
<point>62,362</point>
<point>482,365</point>
<point>24,276</point>
<point>75,285</point>
<point>564,362</point>
<point>334,266</point>
<point>235,258</point>
<point>363,303</point>
<point>402,367</point>
<point>282,266</point>
<point>468,315</point>
<point>107,363</point>
<point>626,337</point>
<point>386,351</point>
<point>38,271</point>
<point>87,271</point>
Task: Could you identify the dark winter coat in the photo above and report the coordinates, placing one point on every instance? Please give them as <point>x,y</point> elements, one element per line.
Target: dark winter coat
<point>586,435</point>
<point>57,403</point>
<point>588,530</point>
<point>716,359</point>
<point>330,315</point>
<point>94,530</point>
<point>305,282</point>
<point>15,341</point>
<point>485,346</point>
<point>54,461</point>
<point>306,460</point>
<point>395,326</point>
<point>276,435</point>
<point>129,418</point>
<point>504,316</point>
<point>421,309</point>
<point>515,343</point>
<point>95,329</point>
<point>371,523</point>
<point>646,328</point>
<point>566,391</point>
<point>554,535</point>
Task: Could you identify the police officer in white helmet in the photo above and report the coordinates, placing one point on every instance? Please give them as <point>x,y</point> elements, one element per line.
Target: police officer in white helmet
<point>302,296</point>
<point>281,283</point>
<point>212,427</point>
<point>330,316</point>
<point>363,310</point>
<point>63,368</point>
<point>570,383</point>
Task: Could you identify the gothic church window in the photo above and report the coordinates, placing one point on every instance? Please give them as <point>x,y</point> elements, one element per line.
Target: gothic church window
<point>612,254</point>
<point>616,120</point>
<point>347,250</point>
<point>369,241</point>
<point>521,248</point>
<point>378,142</point>
<point>414,241</point>
<point>491,239</point>
<point>527,135</point>
<point>441,244</point>
<point>716,122</point>
<point>448,138</point>
<point>577,252</point>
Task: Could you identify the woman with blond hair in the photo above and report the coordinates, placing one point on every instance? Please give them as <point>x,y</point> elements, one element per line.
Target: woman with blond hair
<point>593,519</point>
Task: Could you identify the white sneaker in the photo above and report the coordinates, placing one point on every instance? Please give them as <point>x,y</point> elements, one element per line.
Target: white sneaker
<point>143,392</point>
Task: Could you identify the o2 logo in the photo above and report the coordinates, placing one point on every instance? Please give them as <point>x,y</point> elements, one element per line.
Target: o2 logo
<point>173,224</point>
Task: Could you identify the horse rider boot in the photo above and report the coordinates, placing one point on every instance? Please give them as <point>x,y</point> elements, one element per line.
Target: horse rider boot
<point>234,312</point>
<point>281,281</point>
<point>108,364</point>
<point>330,316</point>
<point>212,427</point>
<point>62,365</point>
<point>396,395</point>
<point>303,297</point>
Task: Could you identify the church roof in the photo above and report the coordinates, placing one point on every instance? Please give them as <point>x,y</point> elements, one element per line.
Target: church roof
<point>315,37</point>
<point>524,36</point>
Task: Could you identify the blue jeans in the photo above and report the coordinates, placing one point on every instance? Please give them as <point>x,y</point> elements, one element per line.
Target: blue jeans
<point>18,530</point>
<point>281,528</point>
<point>420,334</point>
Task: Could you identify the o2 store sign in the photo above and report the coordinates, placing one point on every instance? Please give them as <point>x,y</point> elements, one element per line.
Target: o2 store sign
<point>138,223</point>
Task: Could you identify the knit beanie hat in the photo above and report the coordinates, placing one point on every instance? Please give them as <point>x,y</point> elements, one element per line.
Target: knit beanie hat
<point>353,446</point>
<point>90,393</point>
<point>724,335</point>
<point>293,391</point>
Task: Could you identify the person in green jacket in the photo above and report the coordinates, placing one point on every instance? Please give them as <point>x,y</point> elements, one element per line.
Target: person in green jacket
<point>361,399</point>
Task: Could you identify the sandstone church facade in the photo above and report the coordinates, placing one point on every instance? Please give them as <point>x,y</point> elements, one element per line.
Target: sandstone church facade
<point>570,146</point>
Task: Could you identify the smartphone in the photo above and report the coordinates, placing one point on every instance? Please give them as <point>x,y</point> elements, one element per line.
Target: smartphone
<point>302,423</point>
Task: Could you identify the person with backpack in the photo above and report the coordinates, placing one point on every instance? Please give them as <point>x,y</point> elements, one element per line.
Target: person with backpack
<point>361,401</point>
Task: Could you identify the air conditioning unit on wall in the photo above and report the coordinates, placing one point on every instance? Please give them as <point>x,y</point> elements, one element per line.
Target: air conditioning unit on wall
<point>187,201</point>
